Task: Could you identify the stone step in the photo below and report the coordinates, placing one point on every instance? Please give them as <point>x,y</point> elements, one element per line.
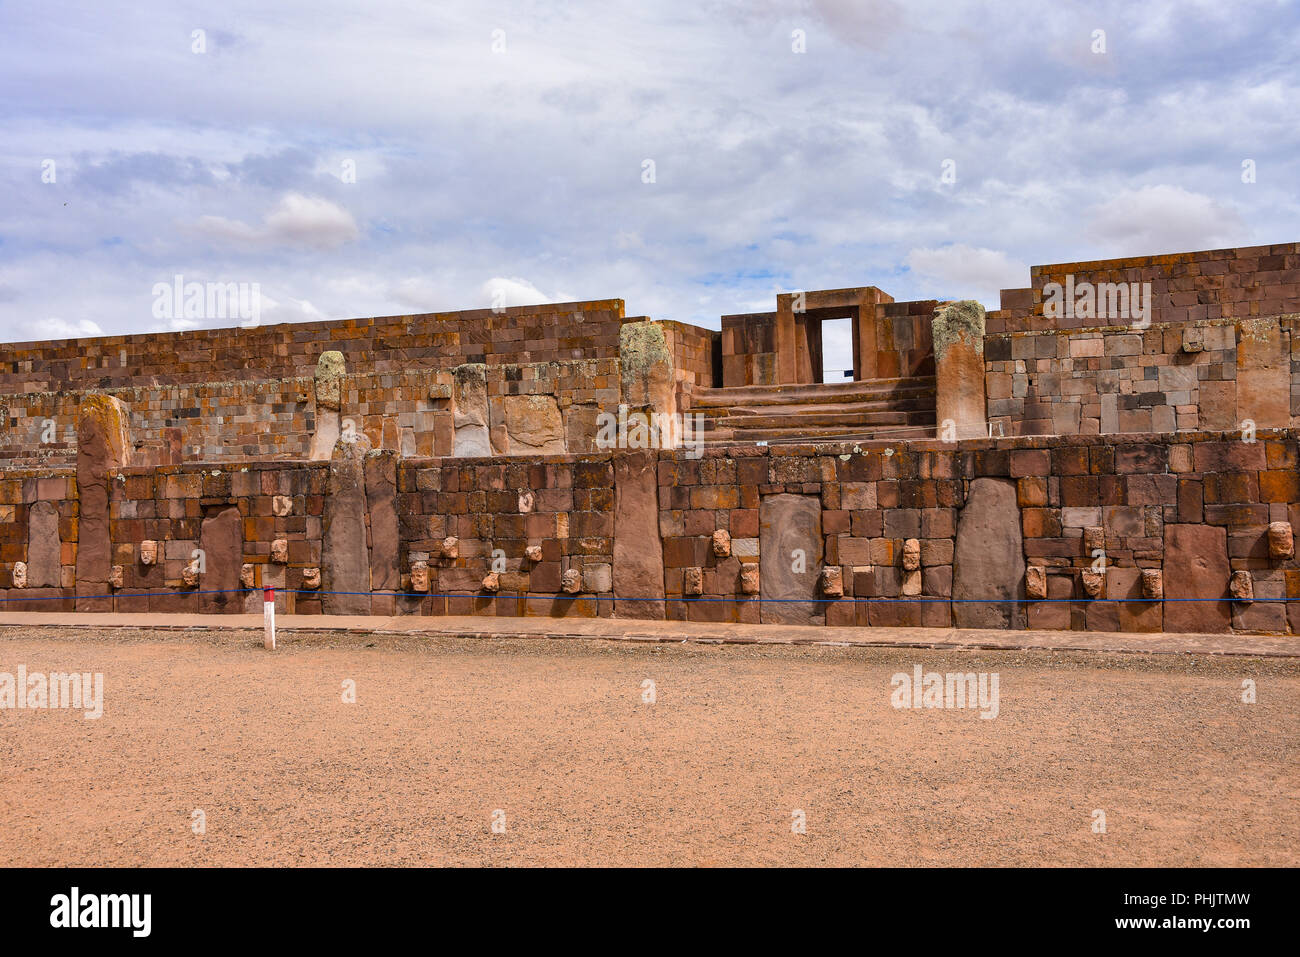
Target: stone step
<point>865,391</point>
<point>818,419</point>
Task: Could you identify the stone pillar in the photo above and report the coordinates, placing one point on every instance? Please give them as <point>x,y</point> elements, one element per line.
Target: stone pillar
<point>470,414</point>
<point>103,444</point>
<point>958,332</point>
<point>330,370</point>
<point>1263,374</point>
<point>648,382</point>
<point>221,536</point>
<point>44,548</point>
<point>345,557</point>
<point>638,551</point>
<point>988,558</point>
<point>381,467</point>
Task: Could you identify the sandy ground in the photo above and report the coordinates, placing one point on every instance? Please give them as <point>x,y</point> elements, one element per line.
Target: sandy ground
<point>555,734</point>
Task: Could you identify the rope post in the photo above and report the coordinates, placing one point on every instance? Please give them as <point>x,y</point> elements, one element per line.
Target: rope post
<point>268,618</point>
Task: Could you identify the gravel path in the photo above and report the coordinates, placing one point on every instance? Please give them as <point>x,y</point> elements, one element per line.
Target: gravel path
<point>555,734</point>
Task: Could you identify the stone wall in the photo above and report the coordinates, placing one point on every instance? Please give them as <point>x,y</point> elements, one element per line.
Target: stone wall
<point>519,334</point>
<point>926,530</point>
<point>275,419</point>
<point>1214,374</point>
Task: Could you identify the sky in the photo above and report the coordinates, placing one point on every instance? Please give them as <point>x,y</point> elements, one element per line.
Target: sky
<point>692,157</point>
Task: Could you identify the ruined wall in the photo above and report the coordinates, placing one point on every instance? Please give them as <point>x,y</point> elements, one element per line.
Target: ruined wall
<point>1185,287</point>
<point>407,410</point>
<point>749,349</point>
<point>519,334</point>
<point>1214,374</point>
<point>1205,516</point>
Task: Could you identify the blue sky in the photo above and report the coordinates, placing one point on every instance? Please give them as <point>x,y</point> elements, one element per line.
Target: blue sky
<point>522,168</point>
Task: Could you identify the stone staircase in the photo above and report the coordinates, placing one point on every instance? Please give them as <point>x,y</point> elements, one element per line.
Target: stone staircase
<point>848,411</point>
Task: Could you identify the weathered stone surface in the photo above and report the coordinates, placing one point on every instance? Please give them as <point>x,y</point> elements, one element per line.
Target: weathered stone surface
<point>419,576</point>
<point>491,582</point>
<point>913,582</point>
<point>470,410</point>
<point>832,581</point>
<point>648,377</point>
<point>248,575</point>
<point>103,444</point>
<point>43,546</point>
<point>693,581</point>
<point>281,505</point>
<point>451,547</point>
<point>221,537</point>
<point>571,582</point>
<point>597,577</point>
<point>20,574</point>
<point>345,558</point>
<point>911,554</point>
<point>750,583</point>
<point>381,500</point>
<point>958,333</point>
<point>280,551</point>
<point>311,578</point>
<point>638,558</point>
<point>722,543</point>
<point>1094,537</point>
<point>190,574</point>
<point>988,559</point>
<point>533,553</point>
<point>1153,585</point>
<point>148,552</point>
<point>1281,541</point>
<point>1193,339</point>
<point>1094,583</point>
<point>330,370</point>
<point>790,550</point>
<point>1263,374</point>
<point>1242,586</point>
<point>1035,583</point>
<point>533,424</point>
<point>526,501</point>
<point>1196,566</point>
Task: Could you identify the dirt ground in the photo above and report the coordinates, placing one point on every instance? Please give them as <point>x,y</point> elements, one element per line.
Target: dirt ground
<point>556,736</point>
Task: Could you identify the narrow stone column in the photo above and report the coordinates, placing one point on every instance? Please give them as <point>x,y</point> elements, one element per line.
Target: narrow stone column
<point>103,444</point>
<point>381,467</point>
<point>345,557</point>
<point>958,332</point>
<point>638,551</point>
<point>648,382</point>
<point>330,370</point>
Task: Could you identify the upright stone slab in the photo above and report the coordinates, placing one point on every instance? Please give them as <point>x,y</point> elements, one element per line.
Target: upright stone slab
<point>988,583</point>
<point>958,332</point>
<point>330,369</point>
<point>381,499</point>
<point>1263,374</point>
<point>103,444</point>
<point>221,536</point>
<point>533,425</point>
<point>44,548</point>
<point>790,556</point>
<point>638,552</point>
<point>647,377</point>
<point>345,557</point>
<point>1196,566</point>
<point>470,416</point>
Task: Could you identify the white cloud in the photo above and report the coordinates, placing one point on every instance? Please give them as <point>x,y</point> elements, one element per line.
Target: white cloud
<point>1165,219</point>
<point>54,328</point>
<point>499,291</point>
<point>295,220</point>
<point>961,270</point>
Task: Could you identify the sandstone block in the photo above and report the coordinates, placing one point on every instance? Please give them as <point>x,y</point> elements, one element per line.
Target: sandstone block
<point>1035,583</point>
<point>311,578</point>
<point>1241,587</point>
<point>1281,541</point>
<point>693,581</point>
<point>722,543</point>
<point>749,579</point>
<point>1094,583</point>
<point>148,552</point>
<point>911,554</point>
<point>280,551</point>
<point>491,582</point>
<point>832,581</point>
<point>451,547</point>
<point>571,582</point>
<point>20,574</point>
<point>115,577</point>
<point>1153,585</point>
<point>420,576</point>
<point>988,560</point>
<point>533,553</point>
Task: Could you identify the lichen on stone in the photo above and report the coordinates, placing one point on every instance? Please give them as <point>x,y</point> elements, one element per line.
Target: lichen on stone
<point>956,321</point>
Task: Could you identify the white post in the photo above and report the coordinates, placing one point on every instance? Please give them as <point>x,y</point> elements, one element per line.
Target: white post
<point>268,617</point>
